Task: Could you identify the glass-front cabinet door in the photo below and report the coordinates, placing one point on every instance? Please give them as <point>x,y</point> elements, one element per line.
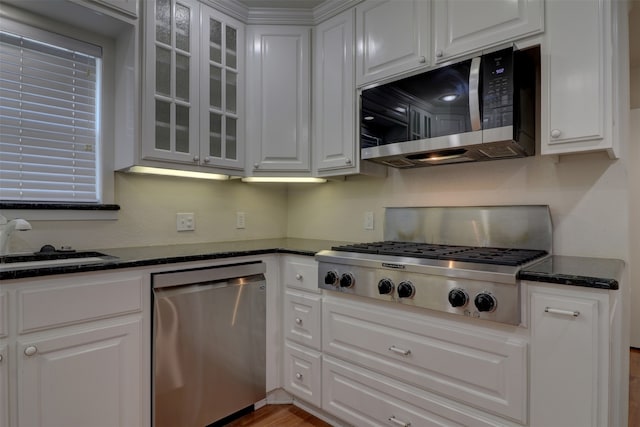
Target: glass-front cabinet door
<point>193,109</point>
<point>221,90</point>
<point>171,99</point>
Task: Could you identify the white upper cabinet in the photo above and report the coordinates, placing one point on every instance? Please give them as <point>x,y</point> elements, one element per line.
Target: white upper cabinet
<point>392,37</point>
<point>170,103</point>
<point>278,99</point>
<point>222,126</point>
<point>465,26</point>
<point>192,101</point>
<point>334,96</point>
<point>579,68</point>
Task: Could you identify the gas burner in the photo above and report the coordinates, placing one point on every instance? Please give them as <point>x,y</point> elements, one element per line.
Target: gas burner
<point>484,255</point>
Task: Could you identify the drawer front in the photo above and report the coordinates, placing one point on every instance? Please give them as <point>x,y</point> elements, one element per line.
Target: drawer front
<point>4,313</point>
<point>361,397</point>
<point>301,273</point>
<point>302,368</point>
<point>487,371</point>
<point>302,318</point>
<point>60,303</point>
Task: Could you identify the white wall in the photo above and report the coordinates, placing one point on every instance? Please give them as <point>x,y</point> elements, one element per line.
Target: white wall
<point>148,215</point>
<point>587,195</point>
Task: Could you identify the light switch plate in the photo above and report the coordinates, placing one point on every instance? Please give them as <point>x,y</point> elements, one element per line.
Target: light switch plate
<point>240,220</point>
<point>368,220</point>
<point>185,222</point>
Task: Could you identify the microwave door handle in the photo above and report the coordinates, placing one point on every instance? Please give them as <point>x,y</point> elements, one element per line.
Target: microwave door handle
<point>474,94</point>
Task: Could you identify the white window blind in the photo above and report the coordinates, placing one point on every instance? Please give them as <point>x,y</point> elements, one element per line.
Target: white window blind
<point>49,118</point>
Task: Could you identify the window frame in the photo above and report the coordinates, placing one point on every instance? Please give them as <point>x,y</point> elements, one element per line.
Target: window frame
<point>106,176</point>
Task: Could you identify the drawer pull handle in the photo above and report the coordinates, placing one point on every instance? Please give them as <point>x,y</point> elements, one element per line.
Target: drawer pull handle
<point>400,351</point>
<point>298,276</point>
<point>298,375</point>
<point>298,321</point>
<point>31,350</point>
<point>398,422</point>
<point>561,312</point>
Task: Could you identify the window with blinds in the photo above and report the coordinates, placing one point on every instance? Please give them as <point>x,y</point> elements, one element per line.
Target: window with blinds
<point>49,117</point>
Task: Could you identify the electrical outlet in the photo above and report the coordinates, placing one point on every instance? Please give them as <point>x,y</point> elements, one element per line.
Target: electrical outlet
<point>185,222</point>
<point>368,221</point>
<point>240,220</point>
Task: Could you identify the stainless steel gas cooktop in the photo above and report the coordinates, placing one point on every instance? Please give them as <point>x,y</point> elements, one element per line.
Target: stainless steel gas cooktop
<point>451,274</point>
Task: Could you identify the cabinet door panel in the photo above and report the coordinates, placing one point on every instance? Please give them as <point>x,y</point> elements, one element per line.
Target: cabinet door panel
<point>82,379</point>
<point>279,104</point>
<point>302,367</point>
<point>464,26</point>
<point>170,100</point>
<point>334,95</point>
<point>393,37</point>
<point>576,106</point>
<point>4,387</point>
<point>566,358</point>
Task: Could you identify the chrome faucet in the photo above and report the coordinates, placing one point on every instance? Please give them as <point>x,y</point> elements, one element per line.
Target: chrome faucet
<point>7,227</point>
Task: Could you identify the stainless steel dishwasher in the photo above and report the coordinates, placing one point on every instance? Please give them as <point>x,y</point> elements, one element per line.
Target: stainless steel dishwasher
<point>208,343</point>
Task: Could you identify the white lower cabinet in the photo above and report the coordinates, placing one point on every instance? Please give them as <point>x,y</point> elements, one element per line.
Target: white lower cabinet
<point>363,397</point>
<point>302,372</point>
<point>4,387</point>
<point>88,377</point>
<point>467,366</point>
<point>569,357</point>
<point>302,329</point>
<point>75,354</point>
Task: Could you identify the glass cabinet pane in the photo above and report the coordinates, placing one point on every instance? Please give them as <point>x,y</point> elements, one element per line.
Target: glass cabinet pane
<point>182,129</point>
<point>215,41</point>
<point>183,31</point>
<point>163,125</point>
<point>215,135</point>
<point>231,47</point>
<point>231,142</point>
<point>232,81</point>
<point>163,71</point>
<point>163,21</point>
<point>182,77</point>
<point>215,86</point>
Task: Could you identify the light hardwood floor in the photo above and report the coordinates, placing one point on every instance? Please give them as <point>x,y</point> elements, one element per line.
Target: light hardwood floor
<point>291,416</point>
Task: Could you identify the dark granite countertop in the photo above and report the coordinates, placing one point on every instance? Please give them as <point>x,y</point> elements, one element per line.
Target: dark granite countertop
<point>602,273</point>
<point>171,254</point>
<point>565,270</point>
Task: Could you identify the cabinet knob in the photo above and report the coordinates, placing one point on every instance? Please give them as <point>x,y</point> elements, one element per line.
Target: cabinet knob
<point>31,350</point>
<point>439,53</point>
<point>298,375</point>
<point>196,159</point>
<point>556,133</point>
<point>348,161</point>
<point>298,276</point>
<point>0,358</point>
<point>298,321</point>
<point>422,59</point>
<point>256,165</point>
<point>207,159</point>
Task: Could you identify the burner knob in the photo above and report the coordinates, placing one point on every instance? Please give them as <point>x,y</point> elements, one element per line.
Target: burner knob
<point>406,289</point>
<point>458,298</point>
<point>347,280</point>
<point>385,287</point>
<point>331,278</point>
<point>484,301</point>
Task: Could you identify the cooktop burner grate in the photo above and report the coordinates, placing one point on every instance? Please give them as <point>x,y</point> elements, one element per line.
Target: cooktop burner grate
<point>484,255</point>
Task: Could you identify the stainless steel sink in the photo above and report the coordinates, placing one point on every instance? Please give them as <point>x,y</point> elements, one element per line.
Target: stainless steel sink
<point>55,259</point>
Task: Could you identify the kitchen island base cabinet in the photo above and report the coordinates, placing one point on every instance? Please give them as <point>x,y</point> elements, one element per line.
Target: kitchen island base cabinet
<point>569,357</point>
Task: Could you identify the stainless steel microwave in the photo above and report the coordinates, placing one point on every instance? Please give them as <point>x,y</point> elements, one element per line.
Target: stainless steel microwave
<point>482,108</point>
